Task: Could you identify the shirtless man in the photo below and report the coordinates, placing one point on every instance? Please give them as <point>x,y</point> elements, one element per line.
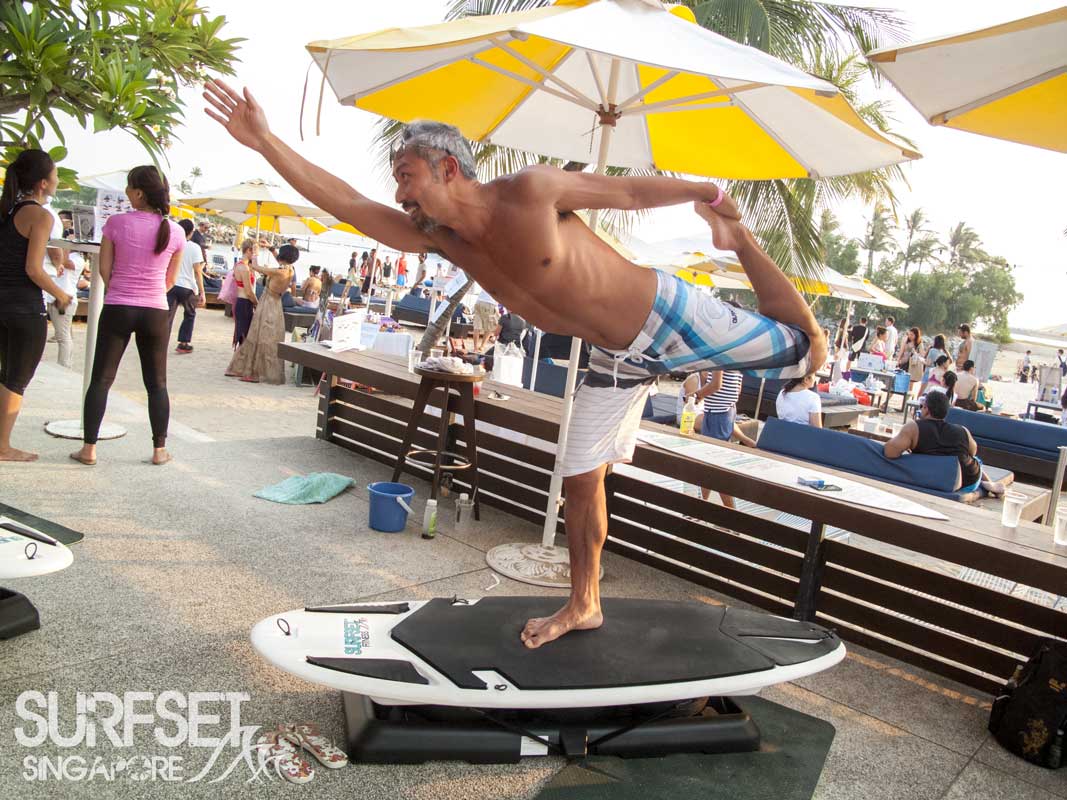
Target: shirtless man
<point>519,238</point>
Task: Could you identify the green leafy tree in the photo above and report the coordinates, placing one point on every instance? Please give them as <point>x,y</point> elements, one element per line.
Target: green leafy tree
<point>114,64</point>
<point>996,284</point>
<point>840,253</point>
<point>812,36</point>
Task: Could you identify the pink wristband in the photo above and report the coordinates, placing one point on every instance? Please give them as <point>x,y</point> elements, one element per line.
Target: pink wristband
<point>718,200</point>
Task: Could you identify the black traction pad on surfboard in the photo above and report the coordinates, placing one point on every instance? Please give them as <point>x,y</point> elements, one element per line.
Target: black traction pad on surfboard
<point>642,642</point>
<point>392,608</point>
<point>386,669</point>
<point>776,637</point>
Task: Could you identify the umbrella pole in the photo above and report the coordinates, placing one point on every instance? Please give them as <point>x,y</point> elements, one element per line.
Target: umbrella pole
<point>548,534</point>
<point>75,429</point>
<point>548,565</point>
<point>536,358</point>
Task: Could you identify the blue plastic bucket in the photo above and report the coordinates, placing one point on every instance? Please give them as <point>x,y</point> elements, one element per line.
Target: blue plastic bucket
<point>390,504</point>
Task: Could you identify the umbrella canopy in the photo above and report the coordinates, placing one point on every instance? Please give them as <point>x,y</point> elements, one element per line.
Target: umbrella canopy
<point>554,80</point>
<point>1008,81</point>
<point>254,197</point>
<point>286,226</point>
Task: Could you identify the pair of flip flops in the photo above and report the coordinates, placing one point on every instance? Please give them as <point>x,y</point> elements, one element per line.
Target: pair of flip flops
<point>284,747</point>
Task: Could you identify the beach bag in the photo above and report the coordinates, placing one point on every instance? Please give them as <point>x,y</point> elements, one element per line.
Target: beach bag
<point>228,290</point>
<point>1029,718</point>
<point>507,365</point>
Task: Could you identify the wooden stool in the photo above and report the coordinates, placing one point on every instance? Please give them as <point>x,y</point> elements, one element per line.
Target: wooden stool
<point>464,387</point>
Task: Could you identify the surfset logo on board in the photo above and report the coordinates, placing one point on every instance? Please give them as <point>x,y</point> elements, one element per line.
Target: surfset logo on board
<point>357,636</point>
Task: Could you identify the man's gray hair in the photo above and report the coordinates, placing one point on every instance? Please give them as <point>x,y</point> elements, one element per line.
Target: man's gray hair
<point>432,141</point>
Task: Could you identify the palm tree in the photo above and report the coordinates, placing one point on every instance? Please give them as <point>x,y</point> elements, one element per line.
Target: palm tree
<point>879,235</point>
<point>195,174</point>
<point>913,224</point>
<point>811,35</point>
<point>965,247</point>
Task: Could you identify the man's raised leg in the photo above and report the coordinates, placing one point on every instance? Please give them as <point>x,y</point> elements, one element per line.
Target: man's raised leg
<point>586,515</point>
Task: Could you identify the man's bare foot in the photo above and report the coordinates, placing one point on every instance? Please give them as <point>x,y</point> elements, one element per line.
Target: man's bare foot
<point>542,630</point>
<point>160,457</point>
<point>14,454</point>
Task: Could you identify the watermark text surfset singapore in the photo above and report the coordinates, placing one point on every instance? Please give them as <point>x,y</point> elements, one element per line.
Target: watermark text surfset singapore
<point>118,728</point>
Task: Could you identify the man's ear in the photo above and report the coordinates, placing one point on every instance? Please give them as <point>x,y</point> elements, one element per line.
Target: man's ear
<point>450,167</point>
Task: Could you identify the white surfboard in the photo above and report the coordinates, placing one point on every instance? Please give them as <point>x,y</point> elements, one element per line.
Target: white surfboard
<point>468,653</point>
<point>25,551</point>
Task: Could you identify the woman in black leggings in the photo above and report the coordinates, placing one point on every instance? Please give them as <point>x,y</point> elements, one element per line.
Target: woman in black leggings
<point>140,255</point>
<point>25,227</point>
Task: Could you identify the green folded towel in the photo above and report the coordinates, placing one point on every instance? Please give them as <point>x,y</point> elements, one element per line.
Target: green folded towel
<point>317,487</point>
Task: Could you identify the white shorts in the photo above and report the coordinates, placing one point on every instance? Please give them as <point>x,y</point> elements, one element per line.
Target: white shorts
<point>685,331</point>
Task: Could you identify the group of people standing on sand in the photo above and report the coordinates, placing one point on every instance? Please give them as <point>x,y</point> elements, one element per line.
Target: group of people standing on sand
<point>141,253</point>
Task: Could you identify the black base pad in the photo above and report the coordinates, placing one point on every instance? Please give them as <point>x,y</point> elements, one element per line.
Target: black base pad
<point>17,614</point>
<point>416,734</point>
<point>53,529</point>
<point>786,767</point>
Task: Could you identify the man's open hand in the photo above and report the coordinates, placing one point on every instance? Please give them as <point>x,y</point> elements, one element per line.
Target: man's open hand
<point>241,115</point>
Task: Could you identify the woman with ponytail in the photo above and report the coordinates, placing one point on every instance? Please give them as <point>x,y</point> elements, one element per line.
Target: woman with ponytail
<point>140,255</point>
<point>797,403</point>
<point>25,227</point>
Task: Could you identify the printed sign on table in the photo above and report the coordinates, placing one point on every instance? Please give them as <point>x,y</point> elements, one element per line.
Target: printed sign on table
<point>347,331</point>
<point>784,474</point>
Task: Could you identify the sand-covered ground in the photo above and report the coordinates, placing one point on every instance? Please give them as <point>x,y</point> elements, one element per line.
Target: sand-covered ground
<point>202,397</point>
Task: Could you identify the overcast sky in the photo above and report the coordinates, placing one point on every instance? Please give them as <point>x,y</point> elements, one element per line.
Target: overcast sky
<point>1011,194</point>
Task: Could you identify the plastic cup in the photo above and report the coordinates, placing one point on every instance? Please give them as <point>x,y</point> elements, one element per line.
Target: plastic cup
<point>1059,535</point>
<point>436,352</point>
<point>414,358</point>
<point>1013,509</point>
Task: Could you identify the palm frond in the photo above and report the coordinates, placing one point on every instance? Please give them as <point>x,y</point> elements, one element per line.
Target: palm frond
<point>458,9</point>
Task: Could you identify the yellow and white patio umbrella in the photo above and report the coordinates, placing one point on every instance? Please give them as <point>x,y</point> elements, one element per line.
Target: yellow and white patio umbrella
<point>622,82</point>
<point>558,80</point>
<point>255,199</point>
<point>1008,81</point>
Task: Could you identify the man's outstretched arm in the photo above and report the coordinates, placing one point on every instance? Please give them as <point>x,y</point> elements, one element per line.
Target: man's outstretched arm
<point>776,295</point>
<point>575,191</point>
<point>245,121</point>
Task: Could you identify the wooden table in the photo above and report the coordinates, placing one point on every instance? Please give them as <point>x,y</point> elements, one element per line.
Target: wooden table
<point>1042,404</point>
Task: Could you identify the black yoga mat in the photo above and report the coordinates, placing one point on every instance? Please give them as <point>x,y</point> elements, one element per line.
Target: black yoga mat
<point>787,766</point>
<point>53,529</point>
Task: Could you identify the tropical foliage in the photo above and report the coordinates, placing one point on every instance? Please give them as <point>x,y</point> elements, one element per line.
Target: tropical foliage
<point>963,282</point>
<point>821,38</point>
<point>114,64</point>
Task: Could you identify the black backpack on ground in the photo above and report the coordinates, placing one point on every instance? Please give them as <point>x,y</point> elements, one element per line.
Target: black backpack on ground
<point>1030,717</point>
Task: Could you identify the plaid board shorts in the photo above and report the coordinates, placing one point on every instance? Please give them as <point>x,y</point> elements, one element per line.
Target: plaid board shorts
<point>686,330</point>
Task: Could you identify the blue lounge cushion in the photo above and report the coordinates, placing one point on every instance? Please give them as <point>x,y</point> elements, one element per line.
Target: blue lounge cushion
<point>551,378</point>
<point>933,474</point>
<point>996,431</point>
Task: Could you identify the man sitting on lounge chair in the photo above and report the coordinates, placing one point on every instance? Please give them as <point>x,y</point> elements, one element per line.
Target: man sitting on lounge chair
<point>934,436</point>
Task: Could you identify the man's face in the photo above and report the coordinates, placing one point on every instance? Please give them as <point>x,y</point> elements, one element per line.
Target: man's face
<point>965,334</point>
<point>419,189</point>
